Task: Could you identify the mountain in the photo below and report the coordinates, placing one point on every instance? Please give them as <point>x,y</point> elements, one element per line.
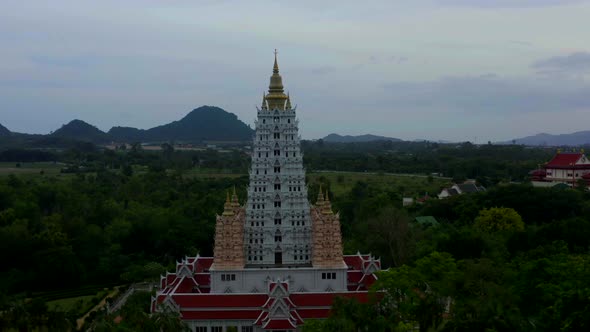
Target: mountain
<point>206,123</point>
<point>335,138</point>
<point>81,131</point>
<point>127,134</point>
<point>573,139</point>
<point>4,131</point>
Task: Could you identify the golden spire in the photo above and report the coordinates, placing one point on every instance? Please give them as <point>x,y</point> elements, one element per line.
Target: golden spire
<point>275,68</point>
<point>327,207</point>
<point>276,94</point>
<point>234,199</point>
<point>227,207</point>
<point>320,200</point>
<point>263,100</point>
<point>288,106</point>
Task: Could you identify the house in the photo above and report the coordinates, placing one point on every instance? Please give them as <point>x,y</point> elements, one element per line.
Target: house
<point>466,187</point>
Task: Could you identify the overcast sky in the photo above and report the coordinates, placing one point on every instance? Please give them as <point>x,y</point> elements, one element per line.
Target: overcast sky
<point>436,69</point>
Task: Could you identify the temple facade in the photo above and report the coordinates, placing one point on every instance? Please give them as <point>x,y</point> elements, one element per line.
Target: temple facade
<point>565,167</point>
<point>278,259</point>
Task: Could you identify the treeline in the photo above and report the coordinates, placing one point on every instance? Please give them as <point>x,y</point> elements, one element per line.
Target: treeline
<point>489,164</point>
<point>514,258</point>
<point>103,228</point>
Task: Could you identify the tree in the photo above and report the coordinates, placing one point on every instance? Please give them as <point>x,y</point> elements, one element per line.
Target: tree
<point>499,219</point>
<point>390,234</point>
<point>420,293</point>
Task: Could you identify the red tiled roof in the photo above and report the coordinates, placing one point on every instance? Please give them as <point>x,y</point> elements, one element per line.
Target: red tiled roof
<point>204,263</point>
<point>564,159</point>
<point>354,276</point>
<point>279,324</point>
<point>204,279</point>
<point>220,314</point>
<point>220,300</point>
<point>323,299</point>
<point>313,313</point>
<point>186,286</point>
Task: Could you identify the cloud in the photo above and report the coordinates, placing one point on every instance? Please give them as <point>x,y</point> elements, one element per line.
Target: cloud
<point>508,3</point>
<point>323,70</point>
<point>485,94</point>
<point>576,64</point>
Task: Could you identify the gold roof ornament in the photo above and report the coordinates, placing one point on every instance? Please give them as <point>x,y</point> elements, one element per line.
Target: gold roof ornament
<point>263,101</point>
<point>276,96</point>
<point>234,199</point>
<point>227,207</point>
<point>320,200</point>
<point>288,105</point>
<point>327,207</point>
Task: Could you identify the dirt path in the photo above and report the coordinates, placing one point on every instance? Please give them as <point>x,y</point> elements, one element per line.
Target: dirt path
<point>102,303</point>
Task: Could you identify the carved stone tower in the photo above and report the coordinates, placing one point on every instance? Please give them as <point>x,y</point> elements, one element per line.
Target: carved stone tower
<point>277,231</point>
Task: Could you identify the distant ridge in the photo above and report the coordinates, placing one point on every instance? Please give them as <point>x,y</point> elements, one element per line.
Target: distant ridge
<point>544,139</point>
<point>4,131</point>
<point>206,123</point>
<point>81,131</point>
<point>335,138</point>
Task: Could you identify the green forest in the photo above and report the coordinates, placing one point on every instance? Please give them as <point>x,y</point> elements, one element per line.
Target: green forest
<point>80,221</point>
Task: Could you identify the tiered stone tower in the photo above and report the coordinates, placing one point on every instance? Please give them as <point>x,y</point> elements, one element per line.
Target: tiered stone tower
<point>277,259</point>
<point>229,235</point>
<point>277,230</point>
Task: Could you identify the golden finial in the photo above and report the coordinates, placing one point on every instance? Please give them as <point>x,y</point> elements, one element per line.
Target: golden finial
<point>227,207</point>
<point>276,96</point>
<point>234,199</point>
<point>581,150</point>
<point>558,151</point>
<point>320,200</point>
<point>275,68</point>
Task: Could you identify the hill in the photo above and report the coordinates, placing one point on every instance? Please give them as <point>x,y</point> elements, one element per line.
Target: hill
<point>81,131</point>
<point>543,139</point>
<point>335,138</point>
<point>206,123</point>
<point>4,131</point>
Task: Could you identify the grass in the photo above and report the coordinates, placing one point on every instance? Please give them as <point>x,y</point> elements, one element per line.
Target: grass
<point>47,168</point>
<point>409,185</point>
<point>340,182</point>
<point>79,304</point>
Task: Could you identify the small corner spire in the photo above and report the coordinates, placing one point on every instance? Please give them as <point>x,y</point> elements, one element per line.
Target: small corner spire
<point>234,199</point>
<point>263,100</point>
<point>320,200</point>
<point>288,105</point>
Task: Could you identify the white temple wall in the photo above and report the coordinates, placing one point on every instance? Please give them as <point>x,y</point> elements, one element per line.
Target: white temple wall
<point>300,280</point>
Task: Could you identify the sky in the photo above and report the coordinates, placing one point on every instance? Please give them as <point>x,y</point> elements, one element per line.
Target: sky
<point>476,70</point>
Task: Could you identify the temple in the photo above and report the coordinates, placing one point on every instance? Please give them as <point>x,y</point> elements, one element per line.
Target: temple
<point>278,259</point>
<point>565,167</point>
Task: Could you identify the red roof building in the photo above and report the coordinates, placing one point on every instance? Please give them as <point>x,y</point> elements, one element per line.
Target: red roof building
<point>566,167</point>
<point>278,308</point>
